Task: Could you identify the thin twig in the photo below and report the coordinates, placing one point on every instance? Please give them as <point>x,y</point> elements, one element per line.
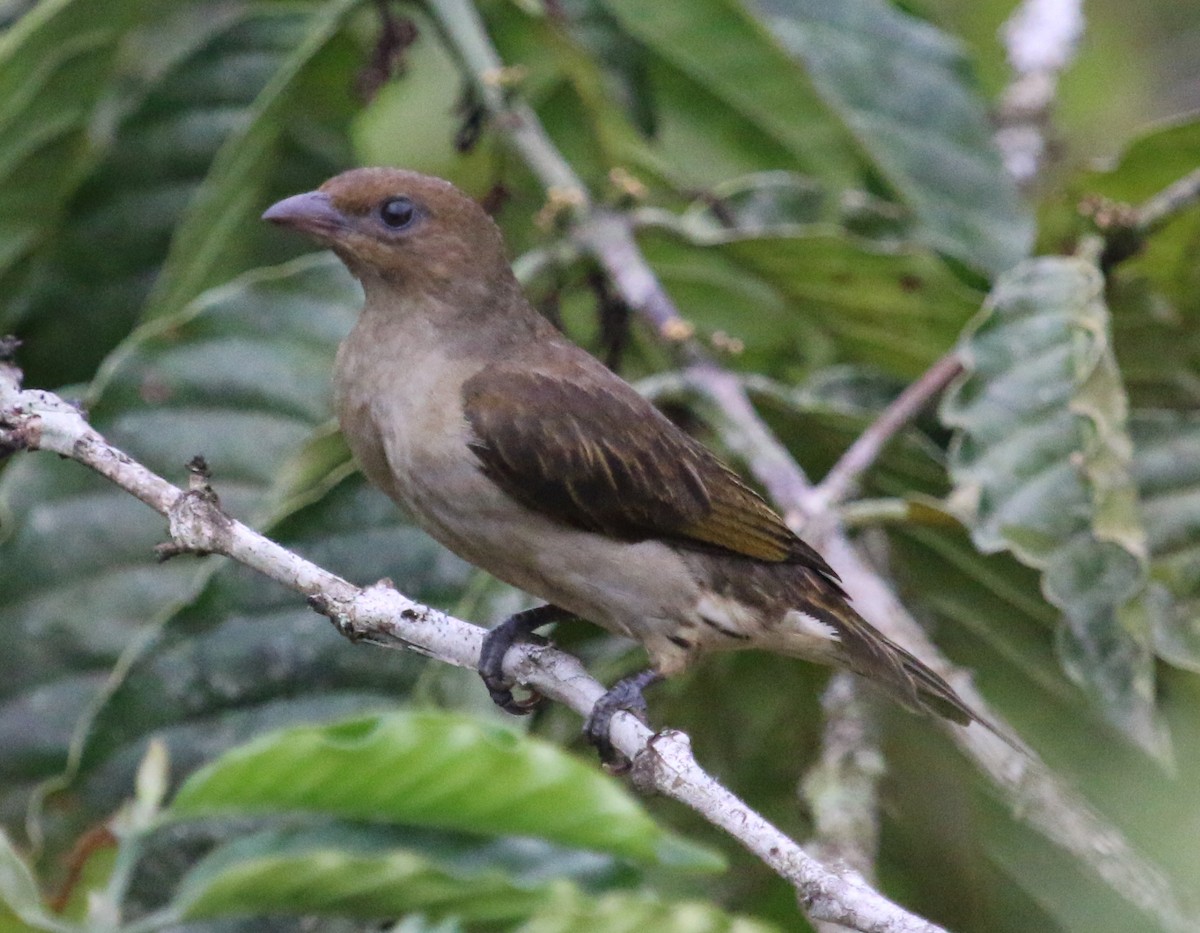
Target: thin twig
<point>1041,38</point>
<point>842,788</point>
<point>1125,228</point>
<point>1176,197</point>
<point>839,482</point>
<point>381,615</point>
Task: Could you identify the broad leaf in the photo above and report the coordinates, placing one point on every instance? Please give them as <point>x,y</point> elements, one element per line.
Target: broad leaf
<point>380,871</point>
<point>751,75</point>
<point>783,204</point>
<point>1167,469</point>
<point>56,63</point>
<point>241,376</point>
<point>903,89</point>
<point>434,769</point>
<point>216,238</point>
<point>1041,462</point>
<point>623,913</point>
<point>818,298</point>
<point>1153,293</point>
<point>349,870</point>
<point>206,80</point>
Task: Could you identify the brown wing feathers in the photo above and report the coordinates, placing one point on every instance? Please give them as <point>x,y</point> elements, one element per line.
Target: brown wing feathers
<point>594,454</point>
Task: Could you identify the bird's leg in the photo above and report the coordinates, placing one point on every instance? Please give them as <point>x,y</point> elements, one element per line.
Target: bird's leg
<point>625,694</point>
<point>516,628</point>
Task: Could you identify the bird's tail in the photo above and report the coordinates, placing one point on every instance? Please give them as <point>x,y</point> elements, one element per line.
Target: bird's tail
<point>911,682</point>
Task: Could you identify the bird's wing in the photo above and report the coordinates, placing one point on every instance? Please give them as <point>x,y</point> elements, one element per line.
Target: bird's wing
<point>584,448</point>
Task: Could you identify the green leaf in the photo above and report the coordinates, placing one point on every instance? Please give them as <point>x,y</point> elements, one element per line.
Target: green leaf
<point>751,76</point>
<point>231,377</point>
<point>1155,294</point>
<point>1166,466</point>
<point>56,63</point>
<point>379,871</point>
<point>991,597</point>
<point>212,241</point>
<point>903,89</point>
<point>435,769</point>
<point>1041,463</point>
<point>624,913</point>
<point>19,892</point>
<point>817,298</point>
<point>1157,342</point>
<point>1151,163</point>
<point>781,204</point>
<point>200,72</point>
<point>368,872</point>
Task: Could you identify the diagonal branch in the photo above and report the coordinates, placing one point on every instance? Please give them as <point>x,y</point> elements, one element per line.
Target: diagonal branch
<point>1125,227</point>
<point>379,614</point>
<point>1034,793</point>
<point>840,480</point>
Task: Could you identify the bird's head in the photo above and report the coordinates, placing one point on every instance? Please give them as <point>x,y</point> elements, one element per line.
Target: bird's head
<point>399,228</point>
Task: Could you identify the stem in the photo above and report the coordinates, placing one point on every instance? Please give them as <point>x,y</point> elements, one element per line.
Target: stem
<point>1041,38</point>
<point>1179,195</point>
<point>842,788</point>
<point>464,32</point>
<point>867,447</point>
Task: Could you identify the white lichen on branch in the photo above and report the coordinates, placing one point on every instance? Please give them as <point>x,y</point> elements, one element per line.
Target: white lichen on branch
<point>1040,38</point>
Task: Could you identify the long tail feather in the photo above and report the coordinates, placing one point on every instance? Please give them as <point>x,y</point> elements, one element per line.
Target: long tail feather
<point>912,683</point>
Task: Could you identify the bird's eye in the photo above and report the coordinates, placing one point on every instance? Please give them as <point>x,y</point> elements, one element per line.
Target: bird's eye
<point>397,213</point>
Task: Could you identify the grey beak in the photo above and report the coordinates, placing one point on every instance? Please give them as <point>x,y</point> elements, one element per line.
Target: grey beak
<point>310,213</point>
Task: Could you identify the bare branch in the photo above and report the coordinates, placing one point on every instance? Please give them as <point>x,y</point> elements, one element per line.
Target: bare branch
<point>842,788</point>
<point>1035,794</point>
<point>381,615</point>
<point>1177,196</point>
<point>858,458</point>
<point>1124,227</point>
<point>1041,37</point>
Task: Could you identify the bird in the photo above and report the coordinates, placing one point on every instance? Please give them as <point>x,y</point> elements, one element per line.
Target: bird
<point>524,454</point>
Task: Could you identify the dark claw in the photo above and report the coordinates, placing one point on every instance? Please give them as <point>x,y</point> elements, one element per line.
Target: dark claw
<point>514,629</point>
<point>625,695</point>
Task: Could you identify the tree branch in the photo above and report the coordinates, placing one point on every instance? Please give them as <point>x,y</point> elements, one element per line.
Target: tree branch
<point>1154,212</point>
<point>840,480</point>
<point>37,420</point>
<point>1041,37</point>
<point>1035,794</point>
<point>842,788</point>
<point>1125,228</point>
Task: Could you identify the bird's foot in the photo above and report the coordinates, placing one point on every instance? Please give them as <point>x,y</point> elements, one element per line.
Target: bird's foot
<point>516,628</point>
<point>625,695</point>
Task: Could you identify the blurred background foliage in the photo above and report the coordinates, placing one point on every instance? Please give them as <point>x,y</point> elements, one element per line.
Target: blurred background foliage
<point>816,185</point>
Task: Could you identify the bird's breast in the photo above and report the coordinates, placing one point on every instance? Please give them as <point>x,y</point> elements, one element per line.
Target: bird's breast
<point>399,404</point>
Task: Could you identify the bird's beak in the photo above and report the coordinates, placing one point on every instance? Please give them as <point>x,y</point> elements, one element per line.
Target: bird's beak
<point>310,213</point>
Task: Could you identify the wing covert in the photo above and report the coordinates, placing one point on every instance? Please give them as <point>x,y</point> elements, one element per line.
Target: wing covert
<point>592,453</point>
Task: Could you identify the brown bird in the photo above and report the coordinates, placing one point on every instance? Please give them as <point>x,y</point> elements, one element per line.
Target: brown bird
<point>523,454</point>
